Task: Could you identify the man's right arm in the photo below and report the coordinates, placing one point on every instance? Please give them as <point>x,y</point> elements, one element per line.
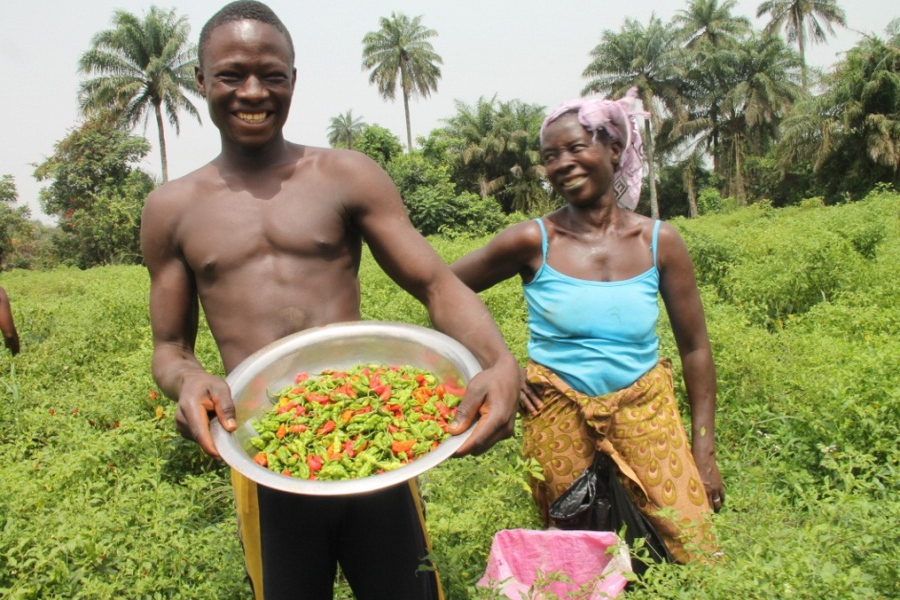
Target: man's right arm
<point>174,313</point>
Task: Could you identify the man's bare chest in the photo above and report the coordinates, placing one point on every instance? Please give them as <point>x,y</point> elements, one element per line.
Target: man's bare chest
<point>217,235</point>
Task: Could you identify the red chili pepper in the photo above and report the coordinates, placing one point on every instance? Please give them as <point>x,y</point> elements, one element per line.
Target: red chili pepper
<point>442,409</point>
<point>426,417</point>
<point>287,407</point>
<point>420,379</point>
<point>296,391</point>
<point>345,390</point>
<point>439,391</point>
<point>364,410</point>
<point>374,381</point>
<point>451,388</point>
<point>385,393</point>
<point>328,427</point>
<point>298,428</point>
<point>301,377</point>
<point>398,446</point>
<point>299,411</point>
<point>319,398</point>
<point>348,448</point>
<point>286,472</point>
<point>261,459</point>
<point>282,431</point>
<point>314,463</point>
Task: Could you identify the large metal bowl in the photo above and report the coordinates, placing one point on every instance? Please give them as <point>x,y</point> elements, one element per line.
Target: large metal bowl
<point>337,346</point>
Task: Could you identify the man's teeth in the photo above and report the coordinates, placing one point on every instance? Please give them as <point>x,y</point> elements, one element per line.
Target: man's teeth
<point>252,117</point>
<point>573,182</point>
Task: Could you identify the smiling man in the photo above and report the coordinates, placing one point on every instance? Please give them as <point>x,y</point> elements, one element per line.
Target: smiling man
<point>267,238</point>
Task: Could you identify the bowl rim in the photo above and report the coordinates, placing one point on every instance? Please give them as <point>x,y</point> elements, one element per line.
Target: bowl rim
<point>235,456</point>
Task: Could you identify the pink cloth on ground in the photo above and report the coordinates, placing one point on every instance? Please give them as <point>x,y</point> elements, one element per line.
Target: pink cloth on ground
<point>518,556</point>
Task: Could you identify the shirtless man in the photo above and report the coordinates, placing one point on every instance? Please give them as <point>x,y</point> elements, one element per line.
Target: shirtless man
<point>267,237</point>
<point>7,325</point>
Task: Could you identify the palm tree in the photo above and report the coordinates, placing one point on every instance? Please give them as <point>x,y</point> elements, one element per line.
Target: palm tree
<point>709,21</point>
<point>643,57</point>
<point>400,49</point>
<point>343,129</point>
<point>497,151</point>
<point>803,20</point>
<point>850,134</point>
<point>141,67</point>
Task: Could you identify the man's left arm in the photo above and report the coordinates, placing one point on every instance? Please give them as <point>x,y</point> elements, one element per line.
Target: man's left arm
<point>454,309</point>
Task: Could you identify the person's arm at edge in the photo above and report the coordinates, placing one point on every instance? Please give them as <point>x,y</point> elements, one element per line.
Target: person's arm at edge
<point>454,309</point>
<point>174,313</point>
<point>7,324</point>
<point>679,290</point>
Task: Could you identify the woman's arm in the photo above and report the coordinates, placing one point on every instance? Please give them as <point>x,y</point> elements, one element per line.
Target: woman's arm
<point>514,251</point>
<point>678,287</point>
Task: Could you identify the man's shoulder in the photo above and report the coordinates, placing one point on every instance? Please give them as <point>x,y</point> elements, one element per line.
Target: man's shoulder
<point>338,159</point>
<point>181,190</point>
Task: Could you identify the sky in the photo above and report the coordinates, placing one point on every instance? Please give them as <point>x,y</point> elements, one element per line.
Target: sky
<point>512,49</point>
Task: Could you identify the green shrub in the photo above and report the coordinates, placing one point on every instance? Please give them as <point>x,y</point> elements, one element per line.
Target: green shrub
<point>100,499</point>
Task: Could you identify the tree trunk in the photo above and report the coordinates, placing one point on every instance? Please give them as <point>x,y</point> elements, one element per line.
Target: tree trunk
<point>157,107</point>
<point>802,46</point>
<point>693,211</point>
<point>406,105</point>
<point>651,172</point>
<point>408,128</point>
<point>738,174</point>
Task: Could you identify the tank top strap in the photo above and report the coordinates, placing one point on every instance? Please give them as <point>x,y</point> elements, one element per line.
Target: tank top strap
<point>653,244</point>
<point>540,223</point>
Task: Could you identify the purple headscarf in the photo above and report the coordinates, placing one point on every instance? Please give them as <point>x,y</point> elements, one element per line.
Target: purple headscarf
<point>616,117</point>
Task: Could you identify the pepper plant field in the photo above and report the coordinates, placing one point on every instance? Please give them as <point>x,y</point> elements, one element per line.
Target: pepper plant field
<point>100,499</point>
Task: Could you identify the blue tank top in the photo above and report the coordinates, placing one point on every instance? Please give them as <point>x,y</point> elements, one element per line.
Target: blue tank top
<point>598,336</point>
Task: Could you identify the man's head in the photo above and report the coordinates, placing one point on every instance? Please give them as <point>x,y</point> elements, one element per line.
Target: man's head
<point>246,74</point>
<point>239,11</point>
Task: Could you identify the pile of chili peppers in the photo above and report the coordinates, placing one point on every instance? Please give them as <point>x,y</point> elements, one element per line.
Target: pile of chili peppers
<point>349,424</point>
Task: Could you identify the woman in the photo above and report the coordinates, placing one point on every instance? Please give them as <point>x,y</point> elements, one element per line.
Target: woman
<point>591,272</point>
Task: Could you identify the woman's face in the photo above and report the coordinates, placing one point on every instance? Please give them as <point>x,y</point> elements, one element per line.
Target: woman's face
<point>580,169</point>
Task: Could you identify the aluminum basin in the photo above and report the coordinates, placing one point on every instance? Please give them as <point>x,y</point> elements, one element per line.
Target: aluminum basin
<point>337,346</point>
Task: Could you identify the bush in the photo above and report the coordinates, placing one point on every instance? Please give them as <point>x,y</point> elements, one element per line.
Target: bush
<point>100,499</point>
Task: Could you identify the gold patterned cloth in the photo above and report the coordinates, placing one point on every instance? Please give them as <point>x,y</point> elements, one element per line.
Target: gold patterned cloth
<point>640,428</point>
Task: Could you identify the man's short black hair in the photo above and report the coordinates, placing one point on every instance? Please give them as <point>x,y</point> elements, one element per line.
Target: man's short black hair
<point>238,11</point>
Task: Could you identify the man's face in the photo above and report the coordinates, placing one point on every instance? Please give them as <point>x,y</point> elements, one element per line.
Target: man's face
<point>247,79</point>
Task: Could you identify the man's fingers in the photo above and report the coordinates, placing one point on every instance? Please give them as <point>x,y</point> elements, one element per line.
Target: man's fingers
<point>488,431</point>
<point>465,412</point>
<point>196,422</point>
<point>224,407</point>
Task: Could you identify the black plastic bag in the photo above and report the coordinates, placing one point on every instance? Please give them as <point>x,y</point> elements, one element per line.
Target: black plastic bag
<point>597,501</point>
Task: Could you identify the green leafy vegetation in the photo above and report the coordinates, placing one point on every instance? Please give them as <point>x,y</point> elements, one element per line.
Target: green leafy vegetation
<point>100,499</point>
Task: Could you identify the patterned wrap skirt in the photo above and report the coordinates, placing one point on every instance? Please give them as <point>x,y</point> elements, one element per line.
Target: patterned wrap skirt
<point>640,428</point>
